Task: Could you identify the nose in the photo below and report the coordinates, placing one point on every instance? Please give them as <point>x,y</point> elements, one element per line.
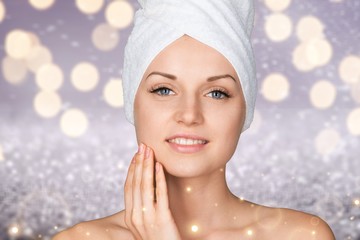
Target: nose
<point>189,111</point>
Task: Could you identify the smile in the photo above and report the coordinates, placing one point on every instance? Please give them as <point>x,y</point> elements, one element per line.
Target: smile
<point>187,144</point>
<point>187,141</point>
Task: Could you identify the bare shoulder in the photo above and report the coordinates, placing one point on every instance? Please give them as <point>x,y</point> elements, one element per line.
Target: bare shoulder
<point>108,228</point>
<point>298,225</point>
<point>309,225</point>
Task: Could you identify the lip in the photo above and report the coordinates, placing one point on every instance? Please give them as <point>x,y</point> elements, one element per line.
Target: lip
<point>187,149</point>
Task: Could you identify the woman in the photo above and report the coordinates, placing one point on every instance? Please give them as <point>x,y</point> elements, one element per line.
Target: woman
<point>189,109</point>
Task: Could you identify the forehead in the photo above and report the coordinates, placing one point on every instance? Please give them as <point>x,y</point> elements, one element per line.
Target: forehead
<point>187,55</point>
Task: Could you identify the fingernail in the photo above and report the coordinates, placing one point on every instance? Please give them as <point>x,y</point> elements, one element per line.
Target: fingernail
<point>141,148</point>
<point>147,152</point>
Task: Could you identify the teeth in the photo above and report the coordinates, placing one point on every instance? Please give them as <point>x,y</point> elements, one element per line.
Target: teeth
<point>184,141</point>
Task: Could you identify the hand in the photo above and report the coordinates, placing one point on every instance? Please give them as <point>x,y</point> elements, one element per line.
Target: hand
<point>147,212</point>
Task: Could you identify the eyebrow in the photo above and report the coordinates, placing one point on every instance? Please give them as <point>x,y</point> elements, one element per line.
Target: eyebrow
<point>209,79</point>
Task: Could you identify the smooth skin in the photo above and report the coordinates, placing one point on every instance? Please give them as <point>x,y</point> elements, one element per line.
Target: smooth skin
<point>191,198</point>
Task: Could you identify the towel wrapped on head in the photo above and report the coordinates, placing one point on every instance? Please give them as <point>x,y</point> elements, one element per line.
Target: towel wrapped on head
<point>224,25</point>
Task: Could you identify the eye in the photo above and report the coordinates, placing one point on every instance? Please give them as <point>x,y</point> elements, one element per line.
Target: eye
<point>219,94</point>
<point>162,91</point>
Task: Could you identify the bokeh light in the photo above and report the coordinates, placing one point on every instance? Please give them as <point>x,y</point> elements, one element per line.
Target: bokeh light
<point>278,27</point>
<point>300,58</point>
<point>319,52</point>
<point>119,14</point>
<point>105,37</point>
<point>275,87</point>
<point>14,230</point>
<point>38,56</point>
<point>47,104</point>
<point>14,71</point>
<point>49,77</point>
<point>74,123</point>
<point>18,44</point>
<point>2,11</point>
<point>89,6</point>
<point>353,122</point>
<point>41,4</point>
<point>309,27</point>
<point>113,93</point>
<point>84,76</point>
<point>349,69</point>
<point>355,91</point>
<point>277,5</point>
<point>326,141</point>
<point>194,228</point>
<point>322,94</point>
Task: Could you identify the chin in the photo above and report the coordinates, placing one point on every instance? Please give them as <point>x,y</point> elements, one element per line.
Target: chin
<point>186,165</point>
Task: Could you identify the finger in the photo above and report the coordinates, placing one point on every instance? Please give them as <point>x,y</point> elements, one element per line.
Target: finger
<point>136,191</point>
<point>128,198</point>
<point>147,184</point>
<point>128,191</point>
<point>161,189</point>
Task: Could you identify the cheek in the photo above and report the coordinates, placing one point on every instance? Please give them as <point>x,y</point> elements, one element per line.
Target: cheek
<point>148,118</point>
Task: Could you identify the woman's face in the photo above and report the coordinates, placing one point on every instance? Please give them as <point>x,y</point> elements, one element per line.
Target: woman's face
<point>190,91</point>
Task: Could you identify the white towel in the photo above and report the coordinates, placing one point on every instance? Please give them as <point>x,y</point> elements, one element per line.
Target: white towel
<point>224,25</point>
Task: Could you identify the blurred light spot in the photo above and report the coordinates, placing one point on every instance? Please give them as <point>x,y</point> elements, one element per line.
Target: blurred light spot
<point>194,228</point>
<point>322,94</point>
<point>2,11</point>
<point>278,27</point>
<point>14,230</point>
<point>18,44</point>
<point>319,52</point>
<point>89,6</point>
<point>2,158</point>
<point>74,123</point>
<point>355,91</point>
<point>308,28</point>
<point>14,70</point>
<point>275,87</point>
<point>353,122</point>
<point>41,4</point>
<point>249,232</point>
<point>349,69</point>
<point>113,93</point>
<point>313,232</point>
<point>119,14</point>
<point>35,40</point>
<point>38,56</point>
<point>326,141</point>
<point>277,5</point>
<point>105,37</point>
<point>188,189</point>
<point>49,77</point>
<point>357,202</point>
<point>47,104</point>
<point>87,234</point>
<point>300,58</point>
<point>84,76</point>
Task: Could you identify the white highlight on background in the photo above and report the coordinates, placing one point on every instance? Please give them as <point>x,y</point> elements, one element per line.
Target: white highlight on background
<point>74,123</point>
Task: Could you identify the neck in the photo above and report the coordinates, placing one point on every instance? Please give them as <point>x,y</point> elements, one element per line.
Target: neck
<point>201,203</point>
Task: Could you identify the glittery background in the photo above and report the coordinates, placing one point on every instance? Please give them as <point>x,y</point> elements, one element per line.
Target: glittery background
<point>301,152</point>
